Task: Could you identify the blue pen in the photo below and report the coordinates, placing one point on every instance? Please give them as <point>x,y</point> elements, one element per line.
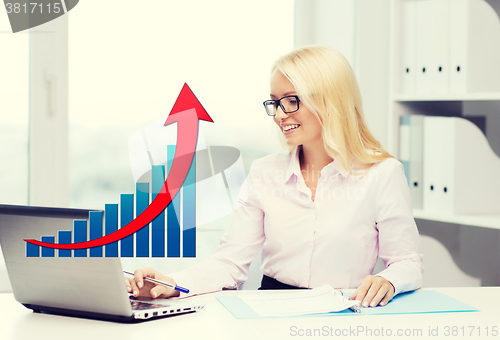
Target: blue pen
<point>179,288</point>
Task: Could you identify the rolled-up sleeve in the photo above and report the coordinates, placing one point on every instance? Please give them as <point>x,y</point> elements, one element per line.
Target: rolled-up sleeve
<point>399,242</point>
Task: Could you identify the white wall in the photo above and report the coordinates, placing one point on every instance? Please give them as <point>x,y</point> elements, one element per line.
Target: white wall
<point>372,63</point>
<point>327,22</point>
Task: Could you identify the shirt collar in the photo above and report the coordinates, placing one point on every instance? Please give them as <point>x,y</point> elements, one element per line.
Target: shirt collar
<point>336,167</point>
<point>294,166</point>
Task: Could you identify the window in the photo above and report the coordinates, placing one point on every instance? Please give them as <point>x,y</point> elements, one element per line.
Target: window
<point>128,63</point>
<point>14,118</point>
<point>14,114</point>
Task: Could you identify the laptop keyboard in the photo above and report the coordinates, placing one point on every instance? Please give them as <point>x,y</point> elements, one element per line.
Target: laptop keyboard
<point>138,305</point>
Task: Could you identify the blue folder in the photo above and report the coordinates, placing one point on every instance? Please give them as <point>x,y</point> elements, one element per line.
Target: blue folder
<point>419,301</point>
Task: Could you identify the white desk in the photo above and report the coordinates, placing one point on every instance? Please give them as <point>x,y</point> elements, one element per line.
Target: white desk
<point>215,322</point>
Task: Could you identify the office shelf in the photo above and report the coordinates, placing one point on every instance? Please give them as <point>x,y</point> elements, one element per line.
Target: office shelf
<point>485,221</point>
<point>460,94</point>
<point>478,96</point>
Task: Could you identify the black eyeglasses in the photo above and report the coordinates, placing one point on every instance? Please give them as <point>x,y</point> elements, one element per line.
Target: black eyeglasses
<point>288,104</point>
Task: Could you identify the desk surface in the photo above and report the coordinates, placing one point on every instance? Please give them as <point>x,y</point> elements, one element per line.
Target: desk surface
<point>215,322</point>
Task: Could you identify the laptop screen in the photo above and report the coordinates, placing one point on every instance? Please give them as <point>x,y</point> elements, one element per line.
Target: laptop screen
<point>80,283</point>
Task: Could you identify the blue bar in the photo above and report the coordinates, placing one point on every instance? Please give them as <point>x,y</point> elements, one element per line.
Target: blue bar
<point>189,213</point>
<point>80,235</point>
<point>95,220</point>
<point>173,226</point>
<point>110,226</point>
<point>47,252</point>
<point>142,235</point>
<point>64,237</point>
<point>32,250</point>
<point>158,224</point>
<point>126,216</point>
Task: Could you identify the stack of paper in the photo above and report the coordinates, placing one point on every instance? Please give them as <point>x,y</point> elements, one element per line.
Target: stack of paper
<point>323,299</point>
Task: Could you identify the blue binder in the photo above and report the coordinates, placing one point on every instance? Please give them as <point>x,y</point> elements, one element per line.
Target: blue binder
<point>415,302</point>
<point>411,148</point>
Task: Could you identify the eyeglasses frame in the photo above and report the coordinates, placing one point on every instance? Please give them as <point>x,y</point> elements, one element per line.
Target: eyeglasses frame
<point>278,102</point>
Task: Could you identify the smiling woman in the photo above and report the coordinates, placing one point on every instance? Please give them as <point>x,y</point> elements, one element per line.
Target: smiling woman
<point>323,212</point>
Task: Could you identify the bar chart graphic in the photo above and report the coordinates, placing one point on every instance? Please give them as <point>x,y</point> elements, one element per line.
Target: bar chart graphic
<point>160,238</point>
<point>166,203</point>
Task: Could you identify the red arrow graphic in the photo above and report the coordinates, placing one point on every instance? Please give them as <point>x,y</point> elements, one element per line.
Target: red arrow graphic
<point>187,112</point>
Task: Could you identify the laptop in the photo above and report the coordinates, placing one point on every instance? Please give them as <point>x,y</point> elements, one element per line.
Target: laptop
<point>91,287</point>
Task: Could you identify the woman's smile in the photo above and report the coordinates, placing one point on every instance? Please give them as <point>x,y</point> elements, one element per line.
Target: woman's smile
<point>289,128</point>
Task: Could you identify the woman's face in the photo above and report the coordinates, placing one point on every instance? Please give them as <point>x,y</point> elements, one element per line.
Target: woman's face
<point>300,127</point>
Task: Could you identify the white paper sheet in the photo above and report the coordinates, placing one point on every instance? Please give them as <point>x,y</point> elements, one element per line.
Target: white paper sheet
<point>323,299</point>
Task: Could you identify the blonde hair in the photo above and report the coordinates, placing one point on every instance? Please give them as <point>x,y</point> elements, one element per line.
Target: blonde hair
<point>326,84</point>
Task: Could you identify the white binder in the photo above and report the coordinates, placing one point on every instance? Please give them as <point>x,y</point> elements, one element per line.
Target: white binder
<point>439,151</point>
<point>458,45</point>
<point>474,47</point>
<point>411,155</point>
<point>439,69</point>
<point>408,69</point>
<point>432,39</point>
<point>461,171</point>
<point>424,46</point>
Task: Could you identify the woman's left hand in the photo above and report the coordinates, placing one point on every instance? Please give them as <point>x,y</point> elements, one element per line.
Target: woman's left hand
<point>374,291</point>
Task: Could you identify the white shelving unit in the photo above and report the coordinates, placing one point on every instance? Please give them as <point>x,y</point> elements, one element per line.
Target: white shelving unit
<point>413,101</point>
<point>478,96</point>
<point>485,221</point>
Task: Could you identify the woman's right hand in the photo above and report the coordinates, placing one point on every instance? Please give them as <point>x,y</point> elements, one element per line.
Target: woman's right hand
<point>140,287</point>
